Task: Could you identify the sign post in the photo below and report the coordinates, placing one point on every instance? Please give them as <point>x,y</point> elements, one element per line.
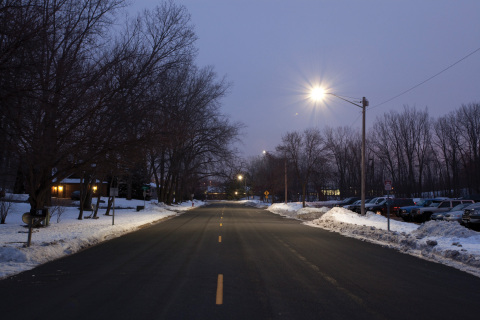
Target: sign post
<point>145,188</point>
<point>113,193</point>
<point>266,193</point>
<point>388,187</point>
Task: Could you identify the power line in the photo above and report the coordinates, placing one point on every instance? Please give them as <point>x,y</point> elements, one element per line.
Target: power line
<point>418,85</point>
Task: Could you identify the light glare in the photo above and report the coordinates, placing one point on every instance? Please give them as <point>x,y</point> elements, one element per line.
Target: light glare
<point>317,93</point>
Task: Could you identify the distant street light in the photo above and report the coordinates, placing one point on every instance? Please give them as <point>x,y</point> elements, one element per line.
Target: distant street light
<point>319,93</point>
<point>240,178</point>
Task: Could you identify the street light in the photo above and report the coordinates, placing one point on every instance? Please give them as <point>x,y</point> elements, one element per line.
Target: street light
<point>318,94</point>
<point>240,178</point>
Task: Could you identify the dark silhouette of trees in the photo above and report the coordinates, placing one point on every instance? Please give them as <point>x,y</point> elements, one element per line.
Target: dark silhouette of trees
<point>421,156</point>
<point>305,152</point>
<point>76,95</point>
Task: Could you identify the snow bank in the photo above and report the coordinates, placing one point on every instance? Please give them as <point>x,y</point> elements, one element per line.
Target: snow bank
<point>254,203</point>
<point>295,210</point>
<point>70,235</point>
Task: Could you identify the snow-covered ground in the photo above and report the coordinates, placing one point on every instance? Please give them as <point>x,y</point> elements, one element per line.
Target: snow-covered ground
<point>443,242</point>
<point>69,234</point>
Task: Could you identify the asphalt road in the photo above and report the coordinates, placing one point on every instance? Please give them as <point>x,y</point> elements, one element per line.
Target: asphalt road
<point>227,261</point>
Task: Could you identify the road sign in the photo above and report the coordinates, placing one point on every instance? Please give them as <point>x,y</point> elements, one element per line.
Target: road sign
<point>114,192</point>
<point>266,193</point>
<point>388,185</point>
<point>145,187</point>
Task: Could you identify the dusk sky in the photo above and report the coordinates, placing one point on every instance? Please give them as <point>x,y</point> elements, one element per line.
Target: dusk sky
<point>275,51</point>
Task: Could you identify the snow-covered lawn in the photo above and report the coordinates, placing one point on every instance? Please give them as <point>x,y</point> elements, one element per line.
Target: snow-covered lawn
<point>70,235</point>
<point>440,241</point>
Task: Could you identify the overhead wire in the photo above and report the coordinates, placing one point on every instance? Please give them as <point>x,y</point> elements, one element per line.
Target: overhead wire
<point>430,78</point>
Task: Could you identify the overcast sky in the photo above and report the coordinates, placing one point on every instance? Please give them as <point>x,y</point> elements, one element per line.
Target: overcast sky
<point>274,51</point>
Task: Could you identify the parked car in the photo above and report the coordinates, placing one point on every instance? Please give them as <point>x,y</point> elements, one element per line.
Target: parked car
<point>438,215</point>
<point>471,216</point>
<point>424,214</point>
<point>347,201</point>
<point>375,202</point>
<point>404,212</point>
<point>357,207</point>
<point>393,203</point>
<point>441,215</point>
<point>457,212</point>
<point>351,206</point>
<point>400,203</point>
<point>75,195</point>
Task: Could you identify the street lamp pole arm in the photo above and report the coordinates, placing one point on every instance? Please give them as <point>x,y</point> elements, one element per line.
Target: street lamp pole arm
<point>355,104</point>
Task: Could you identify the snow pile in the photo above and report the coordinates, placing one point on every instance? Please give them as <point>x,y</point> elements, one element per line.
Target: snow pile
<point>311,213</point>
<point>440,241</point>
<point>254,203</point>
<point>287,210</point>
<point>70,235</point>
<point>443,229</point>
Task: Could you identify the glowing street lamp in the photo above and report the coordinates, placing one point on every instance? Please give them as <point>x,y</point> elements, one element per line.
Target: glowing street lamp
<point>240,178</point>
<point>319,93</point>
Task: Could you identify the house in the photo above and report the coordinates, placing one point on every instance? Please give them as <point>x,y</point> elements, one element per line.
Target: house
<point>64,188</point>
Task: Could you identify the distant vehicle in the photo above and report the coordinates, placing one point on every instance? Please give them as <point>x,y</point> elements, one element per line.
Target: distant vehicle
<point>471,216</point>
<point>347,201</point>
<point>394,203</point>
<point>438,215</point>
<point>357,207</point>
<point>404,212</point>
<point>374,203</point>
<point>75,195</point>
<point>458,208</point>
<point>424,214</point>
<point>351,206</point>
<point>456,215</point>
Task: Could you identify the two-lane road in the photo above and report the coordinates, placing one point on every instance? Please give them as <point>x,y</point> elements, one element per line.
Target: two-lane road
<point>227,261</point>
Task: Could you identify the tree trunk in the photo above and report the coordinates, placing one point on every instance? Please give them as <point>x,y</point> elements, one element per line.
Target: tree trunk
<point>109,205</point>
<point>304,188</point>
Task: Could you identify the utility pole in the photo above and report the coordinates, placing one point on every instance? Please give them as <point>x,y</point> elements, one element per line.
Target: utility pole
<point>286,193</point>
<point>364,107</point>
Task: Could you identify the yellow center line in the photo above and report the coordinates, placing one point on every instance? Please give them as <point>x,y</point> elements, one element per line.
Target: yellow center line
<point>220,224</point>
<point>219,238</point>
<point>219,299</point>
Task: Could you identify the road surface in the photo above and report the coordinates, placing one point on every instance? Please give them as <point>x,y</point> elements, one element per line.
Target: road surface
<point>228,261</point>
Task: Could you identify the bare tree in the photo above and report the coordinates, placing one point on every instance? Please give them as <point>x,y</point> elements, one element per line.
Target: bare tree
<point>468,121</point>
<point>402,142</point>
<point>195,138</point>
<point>344,144</point>
<point>5,205</point>
<point>447,150</point>
<point>305,153</point>
<point>83,97</point>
